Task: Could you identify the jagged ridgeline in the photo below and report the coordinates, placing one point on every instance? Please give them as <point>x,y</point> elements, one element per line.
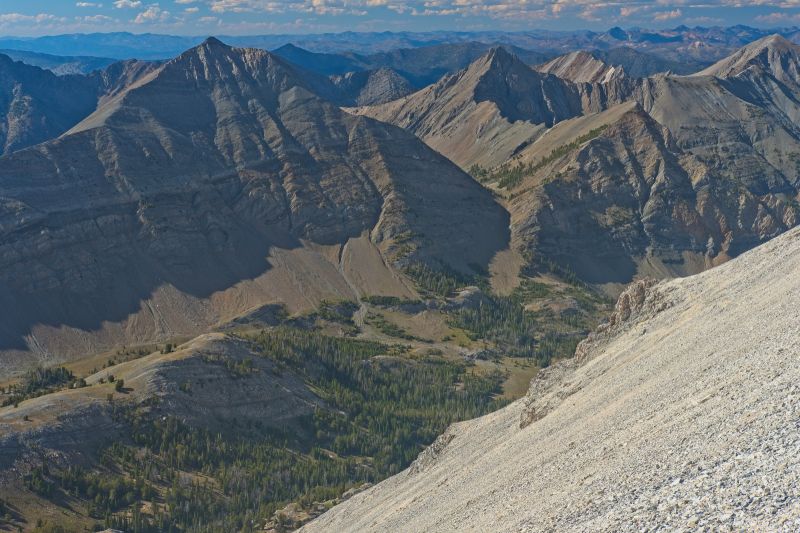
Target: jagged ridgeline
<point>612,176</point>
<point>235,303</point>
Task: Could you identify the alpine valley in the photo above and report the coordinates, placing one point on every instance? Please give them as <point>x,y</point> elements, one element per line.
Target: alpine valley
<point>367,282</point>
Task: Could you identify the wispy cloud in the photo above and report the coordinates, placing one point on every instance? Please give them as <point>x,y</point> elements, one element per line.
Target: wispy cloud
<point>333,15</point>
<point>667,15</point>
<point>127,4</point>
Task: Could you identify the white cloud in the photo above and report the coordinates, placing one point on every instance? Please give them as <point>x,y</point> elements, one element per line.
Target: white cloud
<point>472,14</point>
<point>667,15</point>
<point>628,11</point>
<point>13,18</point>
<point>779,17</point>
<point>153,13</point>
<point>95,19</point>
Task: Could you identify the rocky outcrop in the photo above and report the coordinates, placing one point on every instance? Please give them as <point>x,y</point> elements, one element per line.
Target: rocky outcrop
<point>294,515</point>
<point>432,452</point>
<point>640,301</point>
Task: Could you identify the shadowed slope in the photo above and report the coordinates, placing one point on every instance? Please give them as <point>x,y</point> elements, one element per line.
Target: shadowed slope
<point>36,105</point>
<point>485,112</point>
<point>135,224</point>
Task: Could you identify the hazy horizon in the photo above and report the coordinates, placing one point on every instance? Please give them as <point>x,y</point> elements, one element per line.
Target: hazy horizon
<point>256,17</point>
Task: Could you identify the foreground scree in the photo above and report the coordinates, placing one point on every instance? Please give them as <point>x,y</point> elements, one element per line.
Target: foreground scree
<point>682,414</point>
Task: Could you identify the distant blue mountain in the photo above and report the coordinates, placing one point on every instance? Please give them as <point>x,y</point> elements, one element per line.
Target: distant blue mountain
<point>668,43</point>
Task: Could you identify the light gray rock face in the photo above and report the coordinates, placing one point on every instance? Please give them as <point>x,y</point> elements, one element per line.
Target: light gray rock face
<point>682,415</point>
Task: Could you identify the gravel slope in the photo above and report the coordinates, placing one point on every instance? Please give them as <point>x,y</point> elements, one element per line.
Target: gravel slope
<point>683,416</point>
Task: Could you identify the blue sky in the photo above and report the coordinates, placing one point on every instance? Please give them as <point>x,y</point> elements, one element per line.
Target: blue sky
<point>239,17</point>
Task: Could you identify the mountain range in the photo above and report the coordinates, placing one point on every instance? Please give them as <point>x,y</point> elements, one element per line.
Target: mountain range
<point>688,170</point>
<point>159,209</point>
<point>680,43</point>
<point>259,281</point>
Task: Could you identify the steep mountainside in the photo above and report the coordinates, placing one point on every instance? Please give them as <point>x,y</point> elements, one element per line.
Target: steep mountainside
<point>482,114</point>
<point>36,105</point>
<point>371,87</point>
<point>773,54</point>
<point>215,184</point>
<point>119,76</point>
<point>740,117</point>
<point>60,65</point>
<point>579,67</point>
<point>690,171</point>
<point>613,195</point>
<point>488,112</point>
<point>700,373</point>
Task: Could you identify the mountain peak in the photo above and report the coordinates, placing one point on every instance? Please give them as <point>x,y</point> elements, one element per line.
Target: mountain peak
<point>496,57</point>
<point>291,47</point>
<point>773,54</point>
<point>212,42</point>
<point>499,53</point>
<point>772,41</point>
<point>500,60</point>
<point>618,33</point>
<point>207,65</point>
